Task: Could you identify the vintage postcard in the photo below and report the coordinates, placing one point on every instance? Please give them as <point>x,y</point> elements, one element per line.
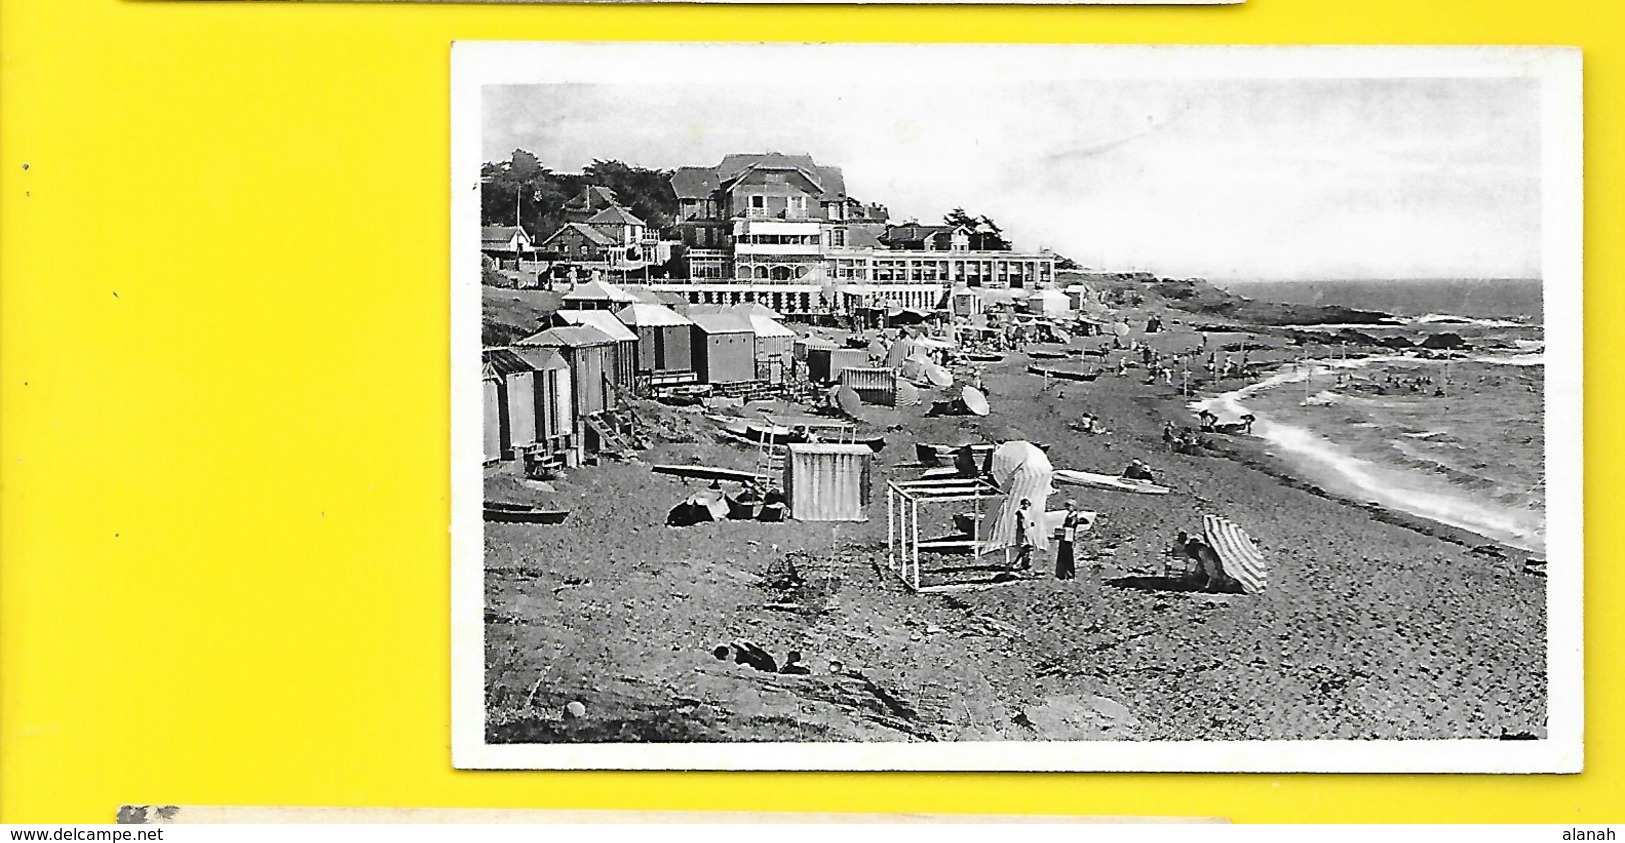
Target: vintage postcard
<point>1016,407</point>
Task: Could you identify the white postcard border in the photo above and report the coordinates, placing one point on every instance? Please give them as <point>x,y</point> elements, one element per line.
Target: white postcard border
<point>476,64</point>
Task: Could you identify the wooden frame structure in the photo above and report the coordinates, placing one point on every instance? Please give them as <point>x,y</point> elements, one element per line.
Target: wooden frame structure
<point>903,499</point>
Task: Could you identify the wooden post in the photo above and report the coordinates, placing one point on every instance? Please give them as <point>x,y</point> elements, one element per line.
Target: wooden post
<point>916,520</point>
<point>891,536</point>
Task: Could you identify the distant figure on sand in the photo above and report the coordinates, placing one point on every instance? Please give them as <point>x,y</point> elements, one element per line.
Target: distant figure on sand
<point>1209,570</point>
<point>1208,419</point>
<point>1065,564</point>
<point>1024,535</point>
<point>1138,470</point>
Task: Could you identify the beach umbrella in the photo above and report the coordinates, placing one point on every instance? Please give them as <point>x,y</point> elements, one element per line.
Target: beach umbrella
<point>848,400</point>
<point>906,395</point>
<point>1120,328</point>
<point>1237,552</point>
<point>938,376</point>
<point>974,401</point>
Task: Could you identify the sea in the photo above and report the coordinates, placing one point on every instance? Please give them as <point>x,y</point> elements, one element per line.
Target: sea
<point>1459,440</point>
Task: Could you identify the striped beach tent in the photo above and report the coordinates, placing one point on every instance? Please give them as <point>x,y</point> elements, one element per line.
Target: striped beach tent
<point>1238,554</point>
<point>1022,470</point>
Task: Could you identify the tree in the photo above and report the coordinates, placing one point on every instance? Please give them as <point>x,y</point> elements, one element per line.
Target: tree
<point>984,232</point>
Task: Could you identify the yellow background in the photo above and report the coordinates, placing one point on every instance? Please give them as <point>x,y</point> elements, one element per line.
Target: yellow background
<point>223,333</point>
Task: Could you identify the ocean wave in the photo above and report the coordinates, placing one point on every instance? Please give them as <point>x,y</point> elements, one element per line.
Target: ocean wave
<point>1416,483</point>
<point>1517,526</point>
<point>1533,358</point>
<point>1453,319</point>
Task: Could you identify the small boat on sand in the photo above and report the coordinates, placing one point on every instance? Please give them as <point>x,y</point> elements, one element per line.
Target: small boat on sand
<point>985,356</point>
<point>1115,482</point>
<point>523,513</point>
<point>1062,374</point>
<point>1048,355</point>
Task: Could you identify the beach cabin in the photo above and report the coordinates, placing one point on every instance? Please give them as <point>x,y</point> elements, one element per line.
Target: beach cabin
<point>491,387</point>
<point>724,348</point>
<point>665,342</point>
<point>775,348</point>
<point>626,341</point>
<point>598,295</point>
<point>555,406</point>
<point>828,482</point>
<point>1048,303</point>
<point>590,354</point>
<point>826,360</point>
<point>515,401</point>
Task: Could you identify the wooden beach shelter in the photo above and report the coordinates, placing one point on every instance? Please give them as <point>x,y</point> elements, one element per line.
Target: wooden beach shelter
<point>624,370</point>
<point>591,355</point>
<point>515,401</point>
<point>665,340</point>
<point>1048,303</point>
<point>555,404</point>
<point>828,482</point>
<point>775,344</point>
<point>724,348</point>
<point>598,295</point>
<point>491,389</point>
<point>826,360</point>
<point>904,499</point>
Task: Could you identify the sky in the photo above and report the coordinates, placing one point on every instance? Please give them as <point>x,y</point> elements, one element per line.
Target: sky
<point>1225,179</point>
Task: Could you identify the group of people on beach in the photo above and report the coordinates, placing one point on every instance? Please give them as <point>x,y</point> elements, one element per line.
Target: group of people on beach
<point>1027,522</point>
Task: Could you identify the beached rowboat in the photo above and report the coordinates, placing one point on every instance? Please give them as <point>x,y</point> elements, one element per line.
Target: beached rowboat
<point>520,513</point>
<point>1069,477</point>
<point>1062,374</point>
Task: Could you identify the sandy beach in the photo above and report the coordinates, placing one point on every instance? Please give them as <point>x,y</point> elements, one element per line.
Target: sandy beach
<point>1375,625</point>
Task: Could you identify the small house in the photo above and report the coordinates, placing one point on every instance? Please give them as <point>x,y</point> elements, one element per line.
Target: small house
<point>665,339</point>
<point>555,403</point>
<point>828,482</point>
<point>724,348</point>
<point>515,401</point>
<point>626,341</point>
<point>590,354</point>
<point>598,295</point>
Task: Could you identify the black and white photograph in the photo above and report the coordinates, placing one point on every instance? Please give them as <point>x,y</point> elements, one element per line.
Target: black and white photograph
<point>1015,407</point>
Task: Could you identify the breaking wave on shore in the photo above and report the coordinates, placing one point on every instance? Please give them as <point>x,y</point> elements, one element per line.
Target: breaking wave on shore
<point>1458,442</point>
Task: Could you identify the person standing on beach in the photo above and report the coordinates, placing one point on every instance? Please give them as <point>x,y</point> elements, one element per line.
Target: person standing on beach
<point>1024,536</point>
<point>1065,564</point>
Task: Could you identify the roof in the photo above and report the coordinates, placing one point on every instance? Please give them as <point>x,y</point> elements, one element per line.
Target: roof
<point>571,336</point>
<point>914,232</point>
<point>600,291</point>
<point>614,215</point>
<point>500,233</point>
<point>721,323</point>
<point>830,448</point>
<point>753,308</point>
<point>601,320</point>
<point>818,342</point>
<point>701,182</point>
<point>694,182</point>
<point>591,196</point>
<point>644,314</point>
<point>597,237</point>
<point>766,326</point>
<point>501,362</point>
<point>542,359</point>
<point>862,238</point>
